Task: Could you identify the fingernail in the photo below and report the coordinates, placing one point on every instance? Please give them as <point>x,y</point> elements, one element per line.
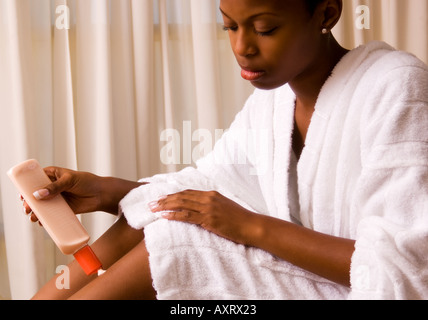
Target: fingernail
<point>153,205</point>
<point>166,214</point>
<point>40,194</point>
<point>24,209</point>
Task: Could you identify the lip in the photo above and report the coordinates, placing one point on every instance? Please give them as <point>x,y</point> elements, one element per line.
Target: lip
<point>251,75</point>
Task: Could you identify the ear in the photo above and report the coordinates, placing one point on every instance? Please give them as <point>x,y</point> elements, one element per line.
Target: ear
<point>329,13</point>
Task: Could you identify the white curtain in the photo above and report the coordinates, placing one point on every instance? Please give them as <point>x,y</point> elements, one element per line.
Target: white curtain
<point>127,88</point>
<point>401,23</point>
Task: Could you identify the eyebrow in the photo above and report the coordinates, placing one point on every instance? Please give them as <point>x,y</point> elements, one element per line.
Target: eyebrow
<point>253,16</point>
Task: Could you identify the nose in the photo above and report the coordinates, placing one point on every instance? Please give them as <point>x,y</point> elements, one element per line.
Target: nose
<point>244,44</point>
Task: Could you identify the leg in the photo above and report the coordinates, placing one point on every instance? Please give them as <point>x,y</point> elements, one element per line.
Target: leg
<point>129,278</point>
<point>109,248</point>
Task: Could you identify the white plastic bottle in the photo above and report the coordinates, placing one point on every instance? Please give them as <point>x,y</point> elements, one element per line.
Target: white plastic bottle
<point>56,216</point>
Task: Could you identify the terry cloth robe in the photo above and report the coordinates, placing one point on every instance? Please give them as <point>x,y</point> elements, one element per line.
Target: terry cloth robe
<point>363,175</point>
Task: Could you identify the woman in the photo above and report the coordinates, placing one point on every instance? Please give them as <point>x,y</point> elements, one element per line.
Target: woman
<point>330,204</point>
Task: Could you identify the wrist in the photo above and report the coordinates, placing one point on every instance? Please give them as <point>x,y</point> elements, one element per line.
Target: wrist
<point>254,230</point>
<point>112,191</point>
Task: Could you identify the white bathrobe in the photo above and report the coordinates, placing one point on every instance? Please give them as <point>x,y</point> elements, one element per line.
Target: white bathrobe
<point>363,175</point>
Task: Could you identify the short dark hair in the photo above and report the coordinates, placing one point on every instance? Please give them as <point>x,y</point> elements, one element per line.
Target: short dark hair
<point>312,5</point>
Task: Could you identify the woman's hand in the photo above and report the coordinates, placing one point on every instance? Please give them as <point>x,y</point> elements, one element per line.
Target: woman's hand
<point>83,191</point>
<point>210,210</point>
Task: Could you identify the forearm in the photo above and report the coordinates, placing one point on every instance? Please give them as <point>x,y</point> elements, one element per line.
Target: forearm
<point>113,190</point>
<point>324,255</point>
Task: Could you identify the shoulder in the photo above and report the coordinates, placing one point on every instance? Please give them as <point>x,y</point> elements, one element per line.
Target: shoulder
<point>390,80</point>
<point>385,64</point>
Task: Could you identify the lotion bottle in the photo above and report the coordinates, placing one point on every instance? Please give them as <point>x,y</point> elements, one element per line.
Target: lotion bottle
<point>56,216</point>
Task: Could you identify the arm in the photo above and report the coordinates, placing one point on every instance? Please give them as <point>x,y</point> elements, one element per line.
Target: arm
<point>85,192</point>
<point>324,255</point>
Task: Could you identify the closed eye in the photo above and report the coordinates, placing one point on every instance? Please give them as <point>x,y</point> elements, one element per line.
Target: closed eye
<point>260,33</point>
<point>266,33</point>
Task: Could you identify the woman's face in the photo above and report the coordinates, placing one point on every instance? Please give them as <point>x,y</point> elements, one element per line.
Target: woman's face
<point>274,41</point>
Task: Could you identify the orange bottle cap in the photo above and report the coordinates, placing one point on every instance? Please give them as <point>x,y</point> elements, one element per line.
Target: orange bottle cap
<point>88,260</point>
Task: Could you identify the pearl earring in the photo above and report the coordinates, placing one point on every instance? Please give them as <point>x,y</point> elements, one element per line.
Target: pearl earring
<point>324,31</point>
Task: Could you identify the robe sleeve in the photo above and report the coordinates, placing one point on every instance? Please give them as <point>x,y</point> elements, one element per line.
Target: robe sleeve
<point>391,252</point>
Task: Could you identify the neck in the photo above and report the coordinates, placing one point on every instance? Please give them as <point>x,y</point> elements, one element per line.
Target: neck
<point>308,84</point>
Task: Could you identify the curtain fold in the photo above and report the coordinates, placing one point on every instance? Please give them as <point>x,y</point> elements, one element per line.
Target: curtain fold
<point>21,116</point>
<point>64,122</point>
<point>128,88</point>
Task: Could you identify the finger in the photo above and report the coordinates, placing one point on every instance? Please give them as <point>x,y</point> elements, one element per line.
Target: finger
<point>183,216</point>
<point>26,207</point>
<point>175,203</point>
<point>28,211</point>
<point>62,183</point>
<point>33,217</point>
